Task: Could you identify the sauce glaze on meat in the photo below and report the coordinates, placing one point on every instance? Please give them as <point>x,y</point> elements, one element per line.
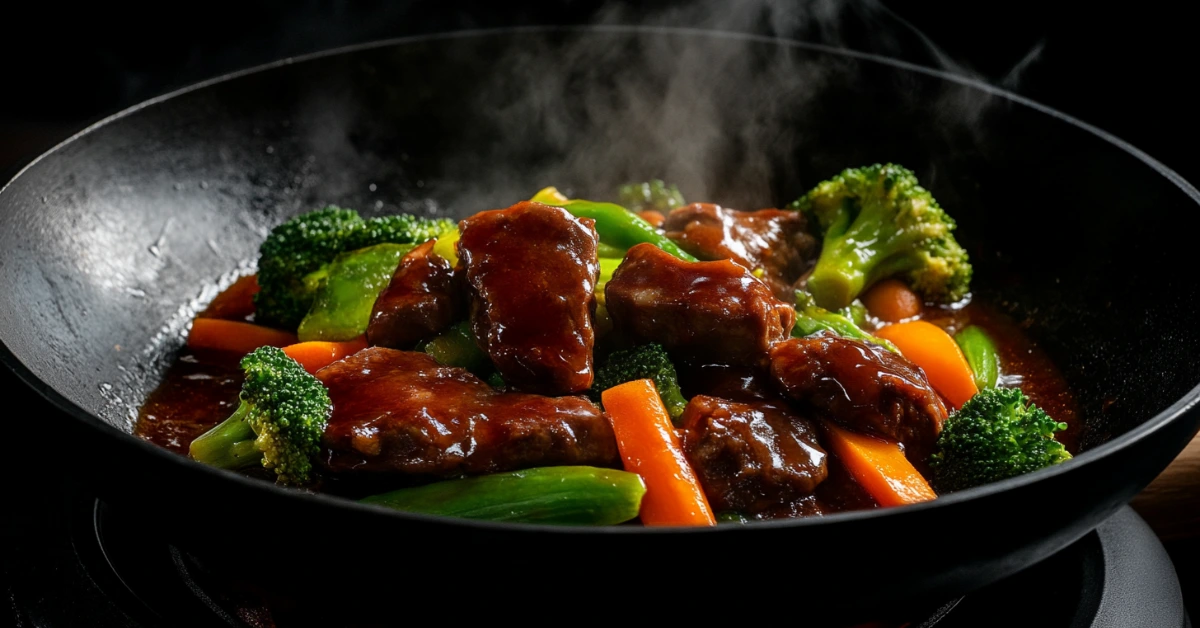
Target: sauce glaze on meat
<point>862,386</point>
<point>713,311</point>
<point>531,270</point>
<point>751,458</point>
<point>773,240</point>
<point>422,300</point>
<point>402,412</point>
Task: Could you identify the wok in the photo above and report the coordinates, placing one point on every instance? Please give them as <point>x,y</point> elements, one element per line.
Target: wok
<point>110,242</point>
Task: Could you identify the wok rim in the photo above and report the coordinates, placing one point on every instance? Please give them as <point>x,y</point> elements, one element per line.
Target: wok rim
<point>1144,430</point>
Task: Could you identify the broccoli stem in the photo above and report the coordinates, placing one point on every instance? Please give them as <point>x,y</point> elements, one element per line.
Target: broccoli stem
<point>230,444</point>
<point>841,272</point>
<point>812,318</point>
<point>673,400</point>
<point>568,495</point>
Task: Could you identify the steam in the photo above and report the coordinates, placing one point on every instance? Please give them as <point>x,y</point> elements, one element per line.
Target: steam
<point>695,110</point>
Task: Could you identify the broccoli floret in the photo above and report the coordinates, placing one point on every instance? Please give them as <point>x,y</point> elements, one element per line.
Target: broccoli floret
<point>812,318</point>
<point>397,229</point>
<point>655,195</point>
<point>293,250</point>
<point>997,434</point>
<point>279,423</point>
<point>642,362</point>
<point>303,245</point>
<point>877,222</point>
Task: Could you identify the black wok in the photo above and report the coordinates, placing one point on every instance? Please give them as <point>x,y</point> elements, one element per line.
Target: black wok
<point>112,239</point>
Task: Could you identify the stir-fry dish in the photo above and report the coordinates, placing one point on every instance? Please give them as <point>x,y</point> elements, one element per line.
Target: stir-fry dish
<point>648,360</point>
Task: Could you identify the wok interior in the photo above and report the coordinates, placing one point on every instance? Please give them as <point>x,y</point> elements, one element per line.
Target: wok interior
<point>110,243</point>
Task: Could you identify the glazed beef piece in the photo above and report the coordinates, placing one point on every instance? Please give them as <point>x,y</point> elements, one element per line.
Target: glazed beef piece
<point>735,383</point>
<point>531,271</point>
<point>402,412</point>
<point>861,386</point>
<point>710,311</point>
<point>775,240</point>
<point>424,298</point>
<point>754,458</point>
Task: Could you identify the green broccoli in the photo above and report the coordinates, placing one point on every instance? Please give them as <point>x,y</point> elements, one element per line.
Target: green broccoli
<point>877,222</point>
<point>398,229</point>
<point>997,434</point>
<point>279,423</point>
<point>812,318</point>
<point>654,194</point>
<point>642,362</point>
<point>303,245</point>
<point>294,249</point>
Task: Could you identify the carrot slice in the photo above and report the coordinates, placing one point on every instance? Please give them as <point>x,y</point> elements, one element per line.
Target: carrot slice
<point>879,467</point>
<point>892,301</point>
<point>235,302</point>
<point>934,350</point>
<point>317,354</point>
<point>235,336</point>
<point>650,448</point>
<point>653,217</point>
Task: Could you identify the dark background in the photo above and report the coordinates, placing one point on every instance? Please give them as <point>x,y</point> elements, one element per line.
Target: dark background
<point>1130,72</point>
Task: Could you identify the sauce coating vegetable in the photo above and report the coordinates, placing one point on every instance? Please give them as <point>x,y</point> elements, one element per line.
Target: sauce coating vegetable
<point>454,370</point>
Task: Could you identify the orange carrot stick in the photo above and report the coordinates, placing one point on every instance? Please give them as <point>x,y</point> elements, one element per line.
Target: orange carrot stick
<point>879,467</point>
<point>650,448</point>
<point>932,349</point>
<point>236,302</point>
<point>892,301</point>
<point>235,336</point>
<point>317,354</point>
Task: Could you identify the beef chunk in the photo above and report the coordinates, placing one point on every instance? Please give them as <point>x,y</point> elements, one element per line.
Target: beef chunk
<point>531,271</point>
<point>773,240</point>
<point>424,298</point>
<point>402,412</point>
<point>861,386</point>
<point>752,458</point>
<point>712,311</point>
<point>736,383</point>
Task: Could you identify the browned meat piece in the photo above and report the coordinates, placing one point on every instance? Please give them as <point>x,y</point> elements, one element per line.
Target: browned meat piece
<point>422,300</point>
<point>736,383</point>
<point>402,412</point>
<point>751,458</point>
<point>861,386</point>
<point>532,273</point>
<point>774,240</point>
<point>707,310</point>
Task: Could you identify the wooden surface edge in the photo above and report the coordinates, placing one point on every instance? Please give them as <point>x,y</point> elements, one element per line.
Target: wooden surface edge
<point>1171,503</point>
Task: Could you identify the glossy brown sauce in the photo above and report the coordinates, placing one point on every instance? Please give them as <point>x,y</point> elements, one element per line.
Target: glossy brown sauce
<point>531,275</point>
<point>400,413</point>
<point>715,311</point>
<point>198,391</point>
<point>201,389</point>
<point>1022,364</point>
